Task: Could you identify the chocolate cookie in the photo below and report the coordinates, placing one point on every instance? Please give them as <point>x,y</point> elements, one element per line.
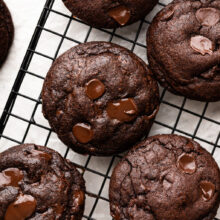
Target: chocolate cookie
<point>183,48</point>
<point>109,13</point>
<point>6,31</point>
<point>165,177</point>
<point>100,98</point>
<point>36,183</point>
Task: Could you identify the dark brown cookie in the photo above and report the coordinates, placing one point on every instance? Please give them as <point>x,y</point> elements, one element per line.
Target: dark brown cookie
<point>165,177</point>
<point>6,31</point>
<point>100,98</point>
<point>36,183</point>
<point>183,48</point>
<point>109,13</point>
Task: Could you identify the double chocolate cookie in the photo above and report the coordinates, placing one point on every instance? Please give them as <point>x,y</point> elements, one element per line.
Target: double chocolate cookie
<point>100,98</point>
<point>109,13</point>
<point>36,183</point>
<point>6,31</point>
<point>183,48</point>
<point>165,177</point>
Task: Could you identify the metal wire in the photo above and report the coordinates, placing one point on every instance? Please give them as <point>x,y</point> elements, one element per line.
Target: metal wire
<point>23,72</point>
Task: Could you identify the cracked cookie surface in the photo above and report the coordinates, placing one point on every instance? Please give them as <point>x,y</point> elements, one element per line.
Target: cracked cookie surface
<point>183,48</point>
<point>6,31</point>
<point>165,177</point>
<point>110,13</point>
<point>36,183</point>
<point>100,98</point>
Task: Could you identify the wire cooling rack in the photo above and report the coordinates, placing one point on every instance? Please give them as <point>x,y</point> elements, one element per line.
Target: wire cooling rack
<point>22,120</point>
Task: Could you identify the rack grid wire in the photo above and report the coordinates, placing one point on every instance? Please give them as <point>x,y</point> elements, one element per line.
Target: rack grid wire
<point>22,120</point>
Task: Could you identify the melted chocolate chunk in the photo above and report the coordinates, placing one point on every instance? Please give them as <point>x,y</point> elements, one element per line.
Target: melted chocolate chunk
<point>10,177</point>
<point>41,154</point>
<point>208,190</point>
<point>95,89</point>
<point>21,209</point>
<point>121,14</point>
<point>208,16</point>
<point>83,132</point>
<point>123,110</point>
<point>202,45</point>
<point>187,163</point>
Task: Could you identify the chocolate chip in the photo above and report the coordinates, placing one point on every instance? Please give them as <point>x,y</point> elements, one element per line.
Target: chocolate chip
<point>208,16</point>
<point>11,177</point>
<point>21,209</point>
<point>202,45</point>
<point>83,132</point>
<point>207,189</point>
<point>123,110</point>
<point>187,163</point>
<point>121,14</point>
<point>95,89</point>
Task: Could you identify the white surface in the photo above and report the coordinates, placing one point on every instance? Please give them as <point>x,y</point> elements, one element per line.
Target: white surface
<point>31,87</point>
<point>25,14</point>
